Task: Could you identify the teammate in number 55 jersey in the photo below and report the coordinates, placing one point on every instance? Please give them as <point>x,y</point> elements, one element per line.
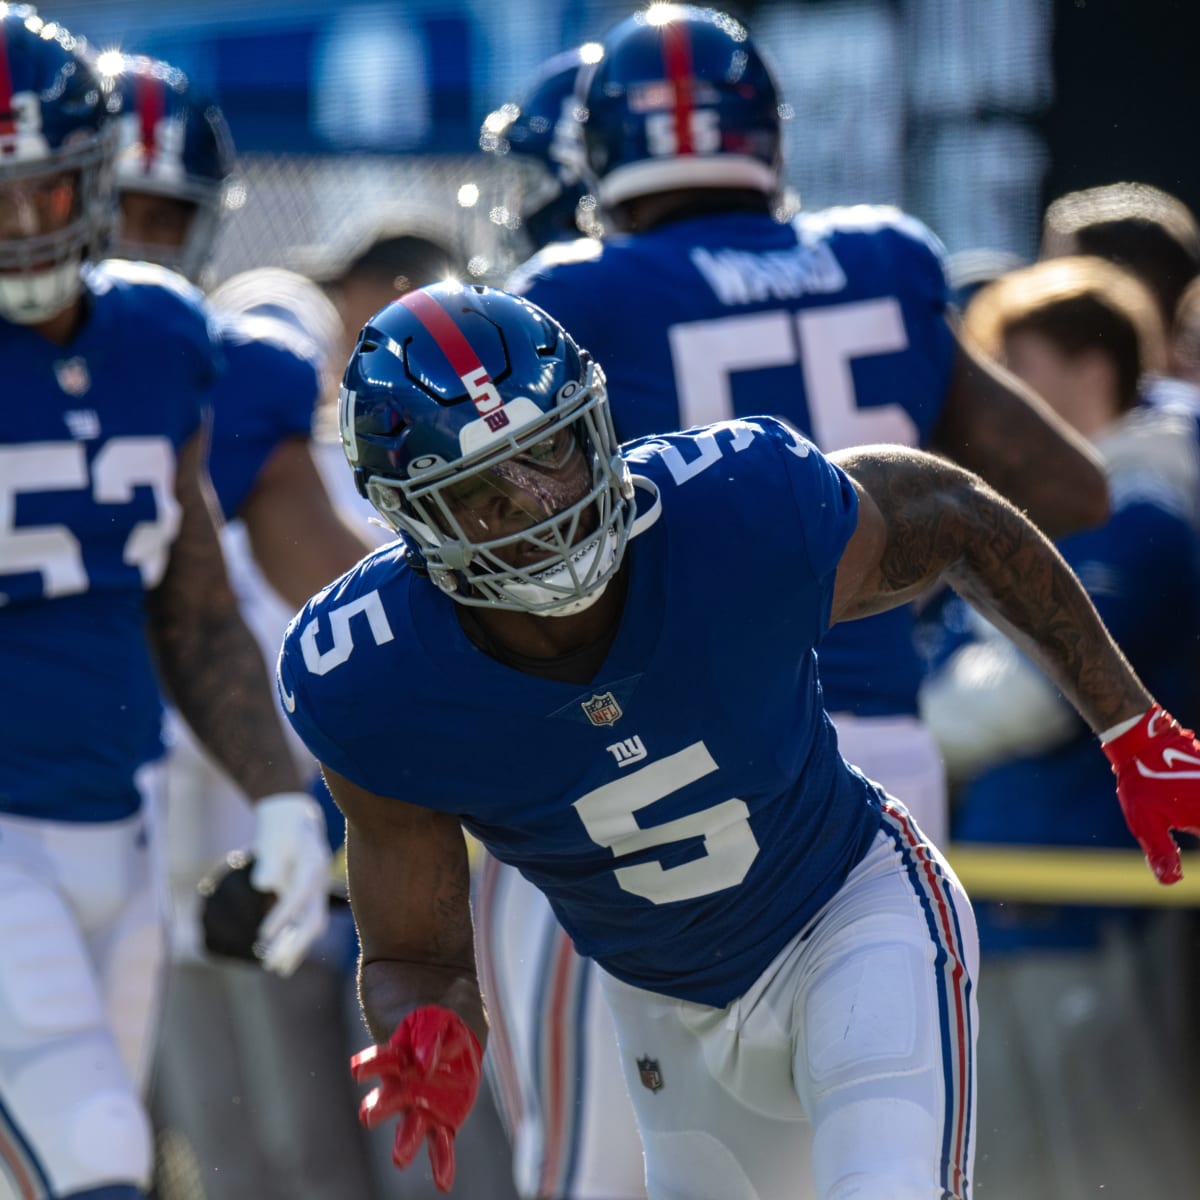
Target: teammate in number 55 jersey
<point>601,661</point>
<point>111,579</point>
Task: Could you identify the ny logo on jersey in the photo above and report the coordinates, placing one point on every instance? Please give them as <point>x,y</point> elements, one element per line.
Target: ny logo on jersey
<point>602,709</point>
<point>650,1073</point>
<point>84,424</point>
<point>627,752</point>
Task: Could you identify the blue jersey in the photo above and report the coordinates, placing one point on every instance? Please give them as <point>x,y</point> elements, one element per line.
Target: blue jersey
<point>687,811</point>
<point>267,394</point>
<point>836,322</point>
<point>89,439</point>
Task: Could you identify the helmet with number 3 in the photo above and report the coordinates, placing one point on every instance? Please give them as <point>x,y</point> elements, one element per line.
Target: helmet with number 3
<point>482,435</point>
<point>175,143</point>
<point>680,99</point>
<point>56,150</point>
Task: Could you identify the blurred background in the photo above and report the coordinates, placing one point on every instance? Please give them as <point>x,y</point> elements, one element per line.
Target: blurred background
<point>969,115</point>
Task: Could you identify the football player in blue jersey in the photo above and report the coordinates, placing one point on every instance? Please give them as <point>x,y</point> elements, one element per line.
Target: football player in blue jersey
<point>110,567</point>
<point>704,306</point>
<point>601,661</point>
<point>283,541</point>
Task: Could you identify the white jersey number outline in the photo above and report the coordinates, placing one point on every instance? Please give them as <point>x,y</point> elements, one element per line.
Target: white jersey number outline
<point>822,342</point>
<point>54,551</point>
<point>730,846</point>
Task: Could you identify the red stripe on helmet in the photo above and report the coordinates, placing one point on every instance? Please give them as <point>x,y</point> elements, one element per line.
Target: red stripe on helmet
<point>151,103</point>
<point>8,115</point>
<point>677,57</point>
<point>441,327</point>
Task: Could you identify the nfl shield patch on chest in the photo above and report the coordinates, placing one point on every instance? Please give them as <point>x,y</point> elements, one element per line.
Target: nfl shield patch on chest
<point>650,1074</point>
<point>602,709</point>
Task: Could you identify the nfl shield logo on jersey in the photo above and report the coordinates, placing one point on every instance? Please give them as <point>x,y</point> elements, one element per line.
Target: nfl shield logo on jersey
<point>73,376</point>
<point>650,1074</point>
<point>602,709</point>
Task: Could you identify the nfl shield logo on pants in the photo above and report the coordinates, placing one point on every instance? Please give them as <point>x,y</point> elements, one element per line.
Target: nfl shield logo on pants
<point>650,1074</point>
<point>602,709</point>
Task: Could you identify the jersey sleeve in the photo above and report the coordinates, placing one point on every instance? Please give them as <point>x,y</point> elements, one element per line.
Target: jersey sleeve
<point>268,394</point>
<point>162,304</point>
<point>826,502</point>
<point>825,512</point>
<point>302,693</point>
<point>333,654</point>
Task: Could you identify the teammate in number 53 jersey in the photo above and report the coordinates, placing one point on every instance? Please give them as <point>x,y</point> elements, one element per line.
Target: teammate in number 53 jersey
<point>602,662</point>
<point>111,578</point>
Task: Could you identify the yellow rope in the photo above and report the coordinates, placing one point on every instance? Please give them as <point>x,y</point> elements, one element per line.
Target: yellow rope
<point>1053,875</point>
<point>1042,875</point>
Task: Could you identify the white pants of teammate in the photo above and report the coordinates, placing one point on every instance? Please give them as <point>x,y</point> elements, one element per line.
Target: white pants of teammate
<point>551,1059</point>
<point>81,954</point>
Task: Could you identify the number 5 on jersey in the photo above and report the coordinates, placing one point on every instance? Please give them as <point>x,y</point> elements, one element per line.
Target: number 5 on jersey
<point>730,847</point>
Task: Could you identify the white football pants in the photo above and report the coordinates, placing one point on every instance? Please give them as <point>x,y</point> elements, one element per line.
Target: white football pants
<point>81,969</point>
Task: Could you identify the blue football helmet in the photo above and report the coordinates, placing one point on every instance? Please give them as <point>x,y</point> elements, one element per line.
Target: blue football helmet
<point>539,139</point>
<point>56,152</point>
<point>173,143</point>
<point>680,99</point>
<point>482,434</point>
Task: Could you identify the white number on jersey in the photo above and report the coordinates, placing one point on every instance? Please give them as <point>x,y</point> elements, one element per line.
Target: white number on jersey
<point>322,662</point>
<point>741,434</point>
<point>730,847</point>
<point>53,551</point>
<point>821,342</point>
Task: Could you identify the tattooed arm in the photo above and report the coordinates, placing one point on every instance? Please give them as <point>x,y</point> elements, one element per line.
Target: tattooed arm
<point>993,424</point>
<point>922,519</point>
<point>410,891</point>
<point>210,664</point>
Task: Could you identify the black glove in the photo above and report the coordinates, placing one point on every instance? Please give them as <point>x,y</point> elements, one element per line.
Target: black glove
<point>232,908</point>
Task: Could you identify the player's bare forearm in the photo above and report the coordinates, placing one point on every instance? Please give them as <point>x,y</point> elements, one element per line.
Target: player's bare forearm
<point>926,519</point>
<point>208,660</point>
<point>410,891</point>
<point>995,425</point>
<point>300,542</point>
<point>389,990</point>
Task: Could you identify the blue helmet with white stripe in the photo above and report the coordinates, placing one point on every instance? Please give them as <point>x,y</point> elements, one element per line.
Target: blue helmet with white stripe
<point>680,99</point>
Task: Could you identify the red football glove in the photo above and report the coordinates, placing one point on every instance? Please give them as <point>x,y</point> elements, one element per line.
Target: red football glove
<point>428,1074</point>
<point>1157,765</point>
